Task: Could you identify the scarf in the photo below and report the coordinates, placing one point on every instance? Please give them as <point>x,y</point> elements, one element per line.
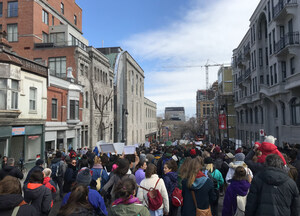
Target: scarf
<point>130,200</point>
<point>200,174</point>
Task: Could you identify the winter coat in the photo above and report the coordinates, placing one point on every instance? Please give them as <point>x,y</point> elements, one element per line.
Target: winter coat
<point>233,166</point>
<point>217,175</point>
<point>9,201</point>
<point>35,168</point>
<point>94,199</point>
<point>38,196</point>
<point>273,192</point>
<point>97,169</point>
<point>139,175</point>
<point>266,149</point>
<point>61,169</point>
<point>204,192</point>
<point>12,171</point>
<point>70,178</point>
<point>150,183</point>
<point>160,165</point>
<point>170,180</point>
<point>80,211</point>
<point>296,164</point>
<point>253,166</point>
<point>49,183</point>
<point>129,210</point>
<point>236,188</point>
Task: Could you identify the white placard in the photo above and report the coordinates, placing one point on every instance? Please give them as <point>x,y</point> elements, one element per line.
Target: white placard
<point>129,150</point>
<point>147,144</point>
<point>107,148</point>
<point>119,147</point>
<point>136,145</point>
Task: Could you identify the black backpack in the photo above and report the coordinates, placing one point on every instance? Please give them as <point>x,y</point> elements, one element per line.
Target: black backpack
<point>55,168</point>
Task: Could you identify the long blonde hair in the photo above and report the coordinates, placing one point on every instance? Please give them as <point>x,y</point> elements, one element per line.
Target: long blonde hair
<point>194,167</point>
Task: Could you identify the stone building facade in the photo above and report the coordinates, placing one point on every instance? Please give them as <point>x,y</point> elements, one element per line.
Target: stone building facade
<point>267,76</point>
<point>151,127</point>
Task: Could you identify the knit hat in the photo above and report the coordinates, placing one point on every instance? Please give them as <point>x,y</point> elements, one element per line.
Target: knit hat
<point>239,157</point>
<point>270,139</point>
<point>193,152</point>
<point>217,149</point>
<point>39,162</point>
<point>84,176</point>
<point>208,160</point>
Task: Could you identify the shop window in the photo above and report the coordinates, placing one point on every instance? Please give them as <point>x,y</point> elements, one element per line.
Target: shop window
<point>33,147</point>
<point>32,98</point>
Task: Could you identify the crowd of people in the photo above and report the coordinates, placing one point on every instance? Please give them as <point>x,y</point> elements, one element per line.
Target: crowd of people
<point>158,180</point>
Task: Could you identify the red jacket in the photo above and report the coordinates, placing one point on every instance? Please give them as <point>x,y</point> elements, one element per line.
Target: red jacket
<point>49,185</point>
<point>266,149</point>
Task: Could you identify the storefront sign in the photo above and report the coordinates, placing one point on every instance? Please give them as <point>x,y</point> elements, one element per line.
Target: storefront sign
<point>222,121</point>
<point>18,131</point>
<point>33,137</point>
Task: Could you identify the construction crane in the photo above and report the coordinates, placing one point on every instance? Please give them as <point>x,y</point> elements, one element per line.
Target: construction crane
<point>207,65</point>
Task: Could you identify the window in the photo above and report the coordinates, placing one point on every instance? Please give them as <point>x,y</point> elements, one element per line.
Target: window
<point>75,19</point>
<point>58,66</point>
<point>256,115</point>
<point>81,69</point>
<point>0,27</point>
<point>12,9</point>
<point>52,20</point>
<point>45,37</point>
<point>295,111</point>
<point>86,99</point>
<point>32,99</point>
<point>260,57</point>
<point>3,93</point>
<point>292,65</point>
<point>283,112</point>
<point>14,94</point>
<point>57,37</point>
<point>271,74</point>
<point>275,73</point>
<point>45,17</point>
<point>54,108</point>
<point>74,109</point>
<point>262,115</point>
<point>1,9</point>
<point>283,70</point>
<point>270,43</point>
<point>12,32</point>
<point>96,100</point>
<point>62,8</point>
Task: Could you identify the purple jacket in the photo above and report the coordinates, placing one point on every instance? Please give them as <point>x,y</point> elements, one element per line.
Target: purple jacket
<point>139,175</point>
<point>235,188</point>
<point>170,180</point>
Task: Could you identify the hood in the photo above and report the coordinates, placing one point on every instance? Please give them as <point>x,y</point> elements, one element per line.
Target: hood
<point>97,166</point>
<point>236,164</point>
<point>131,209</point>
<point>267,147</point>
<point>46,180</point>
<point>10,201</point>
<point>34,190</point>
<point>55,160</point>
<point>274,176</point>
<point>199,181</point>
<point>173,176</point>
<point>240,187</point>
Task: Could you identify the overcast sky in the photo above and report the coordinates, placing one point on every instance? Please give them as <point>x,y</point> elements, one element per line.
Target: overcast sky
<point>164,34</point>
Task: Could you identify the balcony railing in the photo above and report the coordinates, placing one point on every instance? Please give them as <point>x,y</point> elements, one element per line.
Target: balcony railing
<point>240,79</point>
<point>282,4</point>
<point>247,49</point>
<point>247,73</point>
<point>291,38</point>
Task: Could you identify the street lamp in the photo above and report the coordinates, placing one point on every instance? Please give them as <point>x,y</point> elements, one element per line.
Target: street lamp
<point>124,114</point>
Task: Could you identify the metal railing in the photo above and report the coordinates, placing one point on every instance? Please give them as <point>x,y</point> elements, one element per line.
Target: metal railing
<point>282,4</point>
<point>291,38</point>
<point>240,79</point>
<point>247,49</point>
<point>247,73</point>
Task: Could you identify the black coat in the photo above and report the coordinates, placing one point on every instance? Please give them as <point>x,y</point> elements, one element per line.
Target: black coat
<point>9,201</point>
<point>255,167</point>
<point>35,168</point>
<point>81,212</point>
<point>273,193</point>
<point>39,196</point>
<point>12,171</point>
<point>70,178</point>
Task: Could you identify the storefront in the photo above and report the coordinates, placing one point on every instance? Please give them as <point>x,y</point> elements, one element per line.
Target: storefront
<point>22,142</point>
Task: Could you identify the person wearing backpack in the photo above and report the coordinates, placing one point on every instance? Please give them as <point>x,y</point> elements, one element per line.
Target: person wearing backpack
<point>239,187</point>
<point>152,179</point>
<point>100,176</point>
<point>217,178</point>
<point>57,174</point>
<point>170,179</point>
<point>161,162</point>
<point>126,203</point>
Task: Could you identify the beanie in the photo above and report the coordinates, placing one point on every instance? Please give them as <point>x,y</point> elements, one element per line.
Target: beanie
<point>270,139</point>
<point>84,177</point>
<point>239,157</point>
<point>193,152</point>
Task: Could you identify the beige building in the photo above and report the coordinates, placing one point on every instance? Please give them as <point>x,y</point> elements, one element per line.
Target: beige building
<point>129,116</point>
<point>151,128</point>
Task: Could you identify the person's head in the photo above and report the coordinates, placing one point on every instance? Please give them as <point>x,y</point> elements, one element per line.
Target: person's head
<point>194,167</point>
<point>273,160</point>
<point>150,170</point>
<point>123,167</point>
<point>125,189</point>
<point>4,159</point>
<point>36,177</point>
<point>97,160</point>
<point>142,165</point>
<point>10,185</point>
<point>10,161</point>
<point>73,162</point>
<point>293,154</point>
<point>170,166</point>
<point>84,176</point>
<point>84,156</point>
<point>239,174</point>
<point>78,198</point>
<point>47,172</point>
<point>58,154</point>
<point>39,162</point>
<point>184,167</point>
